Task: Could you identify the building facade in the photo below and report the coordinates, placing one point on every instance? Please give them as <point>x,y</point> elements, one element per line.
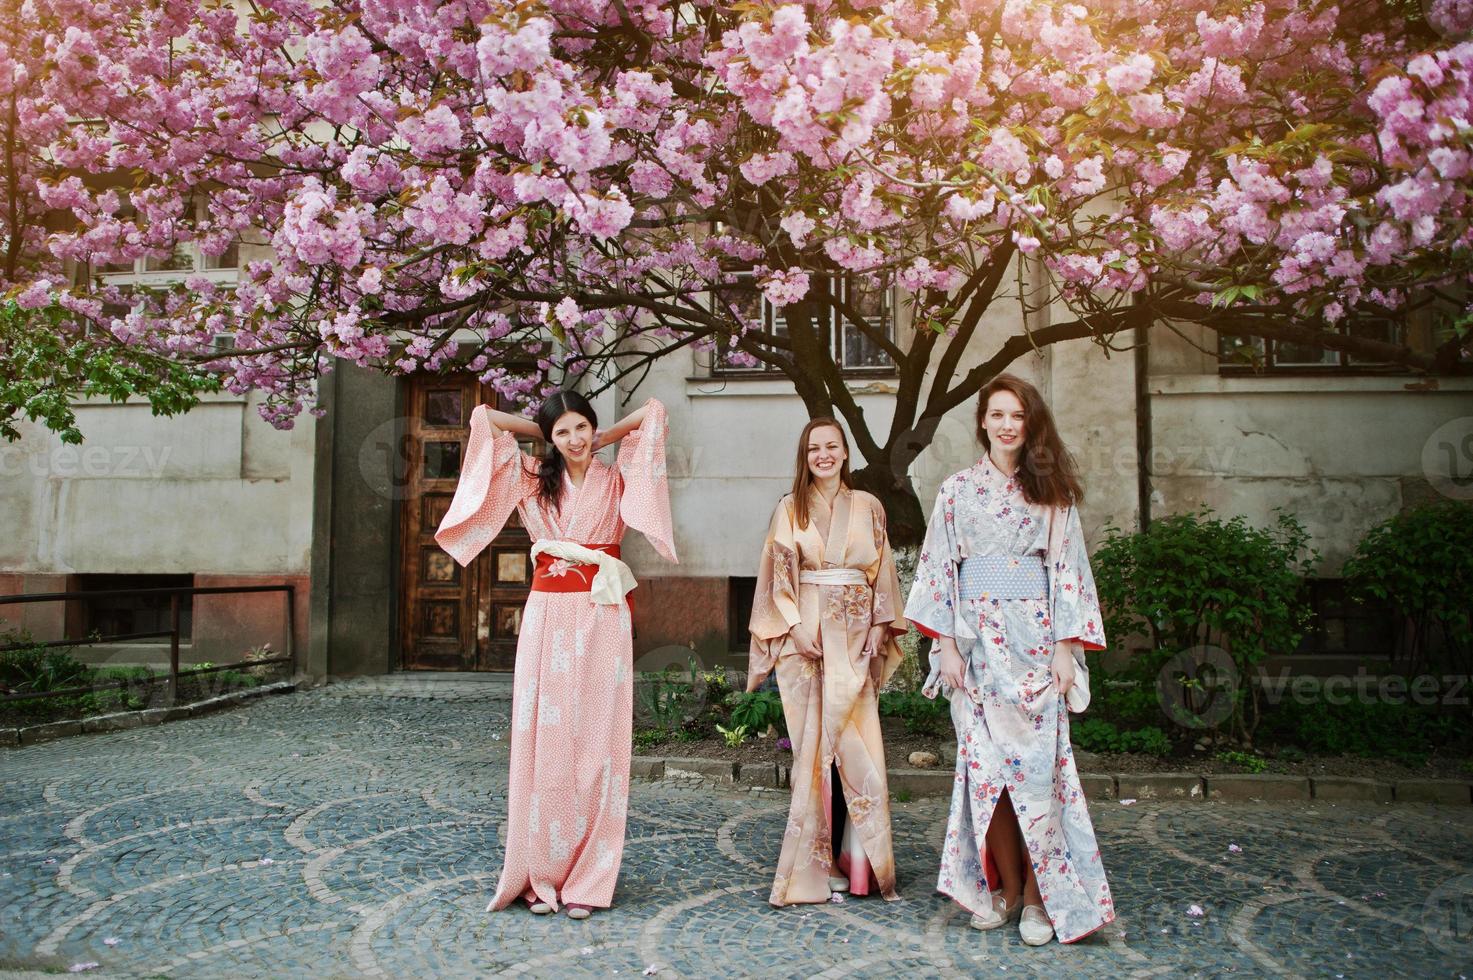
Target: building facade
<point>344,507</point>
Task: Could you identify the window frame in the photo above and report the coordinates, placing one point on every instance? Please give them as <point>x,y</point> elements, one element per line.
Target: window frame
<point>199,264</point>
<point>1342,364</point>
<point>837,334</point>
<point>95,613</point>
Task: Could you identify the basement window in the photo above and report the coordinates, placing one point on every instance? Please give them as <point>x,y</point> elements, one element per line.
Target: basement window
<point>127,615</point>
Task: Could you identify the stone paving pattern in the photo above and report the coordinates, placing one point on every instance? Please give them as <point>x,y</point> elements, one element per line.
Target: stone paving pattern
<point>354,830</point>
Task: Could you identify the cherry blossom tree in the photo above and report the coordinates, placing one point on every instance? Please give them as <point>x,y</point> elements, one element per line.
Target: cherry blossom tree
<point>549,189</point>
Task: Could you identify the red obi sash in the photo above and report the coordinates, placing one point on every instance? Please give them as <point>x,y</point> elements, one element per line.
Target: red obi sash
<point>554,574</point>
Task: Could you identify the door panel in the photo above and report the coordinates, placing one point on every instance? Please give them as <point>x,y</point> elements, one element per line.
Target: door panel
<point>453,618</point>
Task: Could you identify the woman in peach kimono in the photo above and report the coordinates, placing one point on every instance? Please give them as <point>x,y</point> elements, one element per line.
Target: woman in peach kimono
<point>825,617</point>
<point>572,701</point>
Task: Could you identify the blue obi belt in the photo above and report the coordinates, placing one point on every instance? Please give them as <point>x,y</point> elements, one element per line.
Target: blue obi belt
<point>1003,577</point>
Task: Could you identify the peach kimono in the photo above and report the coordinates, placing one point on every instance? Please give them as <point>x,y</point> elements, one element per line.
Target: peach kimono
<point>572,700</point>
<point>837,577</point>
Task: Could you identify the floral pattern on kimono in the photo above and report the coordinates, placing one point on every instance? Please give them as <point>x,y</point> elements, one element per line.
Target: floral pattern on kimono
<point>830,704</point>
<point>573,687</point>
<point>1011,724</point>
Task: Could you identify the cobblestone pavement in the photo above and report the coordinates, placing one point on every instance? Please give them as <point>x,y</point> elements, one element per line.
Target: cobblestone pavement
<point>354,831</point>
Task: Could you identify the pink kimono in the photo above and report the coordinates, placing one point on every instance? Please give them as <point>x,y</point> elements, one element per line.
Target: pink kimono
<point>572,701</point>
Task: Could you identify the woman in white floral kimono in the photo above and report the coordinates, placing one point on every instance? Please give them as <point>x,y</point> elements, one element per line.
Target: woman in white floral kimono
<point>825,616</point>
<point>1004,587</point>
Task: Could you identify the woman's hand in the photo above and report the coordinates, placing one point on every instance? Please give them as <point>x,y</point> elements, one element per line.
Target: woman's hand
<point>621,428</point>
<point>1063,666</point>
<point>805,643</point>
<point>953,668</point>
<point>874,641</point>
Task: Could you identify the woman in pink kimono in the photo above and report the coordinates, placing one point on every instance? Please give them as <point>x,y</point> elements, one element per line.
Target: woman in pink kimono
<point>572,701</point>
<point>825,617</point>
<point>1004,587</point>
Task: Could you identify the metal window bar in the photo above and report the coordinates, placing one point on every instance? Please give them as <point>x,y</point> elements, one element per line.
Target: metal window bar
<point>174,593</point>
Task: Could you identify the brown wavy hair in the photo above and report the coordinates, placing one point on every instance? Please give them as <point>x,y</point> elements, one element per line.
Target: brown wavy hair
<point>1047,472</point>
<point>803,479</point>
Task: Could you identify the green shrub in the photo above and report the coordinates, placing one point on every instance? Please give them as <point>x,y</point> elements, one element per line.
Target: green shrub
<point>104,675</point>
<point>714,684</point>
<point>1421,563</point>
<point>664,698</point>
<point>1099,735</point>
<point>1194,580</point>
<point>1246,761</point>
<point>922,715</point>
<point>106,702</point>
<point>757,711</point>
<point>1126,702</point>
<point>31,667</point>
<point>733,737</point>
<point>648,738</point>
<point>1376,729</point>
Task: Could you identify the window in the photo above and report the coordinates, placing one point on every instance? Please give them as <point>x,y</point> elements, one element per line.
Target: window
<point>852,350</point>
<point>128,615</point>
<point>740,592</point>
<point>1343,626</point>
<point>186,259</point>
<point>1241,354</point>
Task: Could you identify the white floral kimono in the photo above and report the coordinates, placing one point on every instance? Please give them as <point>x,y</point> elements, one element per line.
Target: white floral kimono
<point>1011,724</point>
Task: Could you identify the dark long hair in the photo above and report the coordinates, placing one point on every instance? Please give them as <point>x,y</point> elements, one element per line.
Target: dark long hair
<point>550,475</point>
<point>1046,470</point>
<point>803,479</point>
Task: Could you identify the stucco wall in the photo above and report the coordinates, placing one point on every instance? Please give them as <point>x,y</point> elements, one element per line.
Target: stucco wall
<point>216,490</point>
<point>1341,453</point>
<point>732,444</point>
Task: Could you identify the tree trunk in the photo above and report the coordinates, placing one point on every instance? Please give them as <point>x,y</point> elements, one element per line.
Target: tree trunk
<point>903,512</point>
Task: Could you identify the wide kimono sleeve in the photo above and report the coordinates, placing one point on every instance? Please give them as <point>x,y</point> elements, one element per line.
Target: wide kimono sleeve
<point>494,479</point>
<point>934,599</point>
<point>775,600</point>
<point>1074,606</point>
<point>886,604</point>
<point>645,502</point>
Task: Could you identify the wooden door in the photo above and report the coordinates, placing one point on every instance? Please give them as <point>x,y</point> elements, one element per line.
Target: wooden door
<point>453,618</point>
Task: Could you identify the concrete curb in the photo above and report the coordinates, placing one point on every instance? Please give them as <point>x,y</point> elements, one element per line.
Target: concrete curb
<point>1217,787</point>
<point>123,720</point>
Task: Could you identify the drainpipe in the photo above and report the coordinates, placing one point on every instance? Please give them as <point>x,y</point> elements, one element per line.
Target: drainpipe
<point>1142,358</point>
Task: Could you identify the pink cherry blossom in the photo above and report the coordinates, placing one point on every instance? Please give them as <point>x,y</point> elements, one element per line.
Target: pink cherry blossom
<point>1131,75</point>
<point>785,287</point>
<point>496,168</point>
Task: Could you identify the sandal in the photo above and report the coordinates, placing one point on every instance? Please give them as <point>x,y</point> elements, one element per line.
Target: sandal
<point>538,907</point>
<point>579,911</point>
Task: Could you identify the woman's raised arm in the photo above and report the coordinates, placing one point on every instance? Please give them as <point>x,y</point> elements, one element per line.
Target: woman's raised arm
<point>621,428</point>
<point>515,424</point>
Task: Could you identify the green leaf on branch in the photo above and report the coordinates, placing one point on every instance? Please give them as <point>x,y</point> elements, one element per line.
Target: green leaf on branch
<point>45,368</point>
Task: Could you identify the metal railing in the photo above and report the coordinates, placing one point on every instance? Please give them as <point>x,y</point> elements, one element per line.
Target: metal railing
<point>175,593</point>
